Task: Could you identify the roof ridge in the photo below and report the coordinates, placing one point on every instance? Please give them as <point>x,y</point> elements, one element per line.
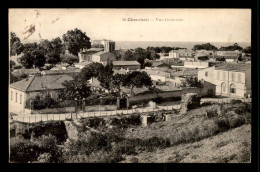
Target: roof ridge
<point>30,82</point>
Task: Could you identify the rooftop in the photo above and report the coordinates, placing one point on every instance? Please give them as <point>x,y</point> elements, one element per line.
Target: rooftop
<point>234,66</point>
<point>125,63</point>
<point>41,82</point>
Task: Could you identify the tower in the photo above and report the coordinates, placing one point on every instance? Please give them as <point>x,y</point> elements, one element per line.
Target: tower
<point>109,46</point>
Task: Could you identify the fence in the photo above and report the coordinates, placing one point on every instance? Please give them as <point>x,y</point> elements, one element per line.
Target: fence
<point>67,116</point>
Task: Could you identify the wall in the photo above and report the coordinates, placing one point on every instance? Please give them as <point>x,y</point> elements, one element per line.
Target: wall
<point>158,77</point>
<point>169,94</point>
<point>130,67</point>
<point>109,56</point>
<point>240,86</point>
<point>95,58</point>
<point>16,106</point>
<point>100,108</point>
<point>210,77</point>
<point>196,64</point>
<point>54,110</point>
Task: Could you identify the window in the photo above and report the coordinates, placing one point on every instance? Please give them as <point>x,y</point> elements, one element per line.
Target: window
<point>239,77</point>
<point>20,98</point>
<point>15,97</point>
<point>206,74</point>
<point>223,87</point>
<point>218,75</point>
<point>232,77</point>
<point>232,88</point>
<point>224,76</point>
<point>11,95</point>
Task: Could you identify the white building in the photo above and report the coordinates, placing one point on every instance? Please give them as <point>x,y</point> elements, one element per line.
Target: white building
<point>231,79</point>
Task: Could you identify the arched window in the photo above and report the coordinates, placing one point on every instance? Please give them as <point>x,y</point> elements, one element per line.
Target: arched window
<point>223,87</point>
<point>232,88</point>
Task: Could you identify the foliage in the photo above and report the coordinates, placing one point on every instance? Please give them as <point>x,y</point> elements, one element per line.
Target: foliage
<point>221,59</point>
<point>75,40</point>
<point>105,76</point>
<point>231,48</point>
<point>148,64</point>
<point>247,50</point>
<point>33,57</point>
<point>165,65</point>
<point>52,50</point>
<point>41,102</point>
<point>77,88</point>
<point>137,79</point>
<point>191,82</point>
<point>206,46</point>
<point>211,93</point>
<point>68,58</point>
<point>234,101</point>
<point>16,47</point>
<point>118,81</point>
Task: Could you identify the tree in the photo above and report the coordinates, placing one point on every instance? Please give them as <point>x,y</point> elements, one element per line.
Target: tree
<point>247,50</point>
<point>192,82</point>
<point>75,40</point>
<point>105,76</point>
<point>118,81</point>
<point>33,56</point>
<point>206,46</point>
<point>127,56</point>
<point>68,58</point>
<point>137,79</point>
<point>140,55</point>
<point>221,59</point>
<point>16,46</point>
<point>76,88</point>
<point>52,50</point>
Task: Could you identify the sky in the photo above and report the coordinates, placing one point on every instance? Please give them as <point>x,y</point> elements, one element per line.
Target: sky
<point>196,25</point>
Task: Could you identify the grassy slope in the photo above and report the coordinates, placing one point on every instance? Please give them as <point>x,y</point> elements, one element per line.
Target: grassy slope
<point>230,146</point>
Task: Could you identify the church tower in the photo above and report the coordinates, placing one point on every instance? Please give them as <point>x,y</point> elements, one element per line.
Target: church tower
<point>109,46</point>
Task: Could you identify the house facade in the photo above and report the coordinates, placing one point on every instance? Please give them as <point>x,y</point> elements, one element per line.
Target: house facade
<point>233,80</point>
<point>21,91</point>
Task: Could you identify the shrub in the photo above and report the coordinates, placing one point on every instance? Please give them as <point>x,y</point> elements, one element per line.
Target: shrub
<point>212,113</point>
<point>211,93</point>
<point>223,124</point>
<point>243,108</point>
<point>134,160</point>
<point>22,150</point>
<point>235,101</point>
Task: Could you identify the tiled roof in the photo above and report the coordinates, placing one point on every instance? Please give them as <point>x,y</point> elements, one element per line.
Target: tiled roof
<point>122,63</point>
<point>234,66</point>
<point>41,82</point>
<point>23,84</point>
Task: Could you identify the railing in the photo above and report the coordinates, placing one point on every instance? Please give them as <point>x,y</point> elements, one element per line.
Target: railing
<point>68,116</point>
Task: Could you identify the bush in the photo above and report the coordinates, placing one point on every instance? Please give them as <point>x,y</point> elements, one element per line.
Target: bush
<point>235,101</point>
<point>243,108</point>
<point>134,160</point>
<point>211,93</point>
<point>223,124</point>
<point>40,102</point>
<point>22,150</point>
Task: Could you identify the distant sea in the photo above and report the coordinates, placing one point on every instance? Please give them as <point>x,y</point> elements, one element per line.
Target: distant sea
<point>188,45</point>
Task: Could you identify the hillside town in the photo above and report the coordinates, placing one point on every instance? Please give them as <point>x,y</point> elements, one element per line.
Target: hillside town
<point>77,100</point>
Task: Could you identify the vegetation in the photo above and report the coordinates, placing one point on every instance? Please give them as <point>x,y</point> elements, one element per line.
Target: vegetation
<point>76,40</point>
<point>231,48</point>
<point>16,47</point>
<point>192,82</point>
<point>221,59</point>
<point>41,102</point>
<point>206,46</point>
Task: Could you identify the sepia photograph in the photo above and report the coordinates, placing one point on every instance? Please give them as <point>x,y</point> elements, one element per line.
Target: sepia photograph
<point>118,85</point>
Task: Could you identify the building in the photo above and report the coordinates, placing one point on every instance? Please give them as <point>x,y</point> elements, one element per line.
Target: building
<point>233,80</point>
<point>128,65</point>
<point>184,54</point>
<point>207,74</point>
<point>109,46</point>
<point>87,54</point>
<point>103,57</point>
<point>21,91</point>
<point>16,58</point>
<point>198,64</point>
